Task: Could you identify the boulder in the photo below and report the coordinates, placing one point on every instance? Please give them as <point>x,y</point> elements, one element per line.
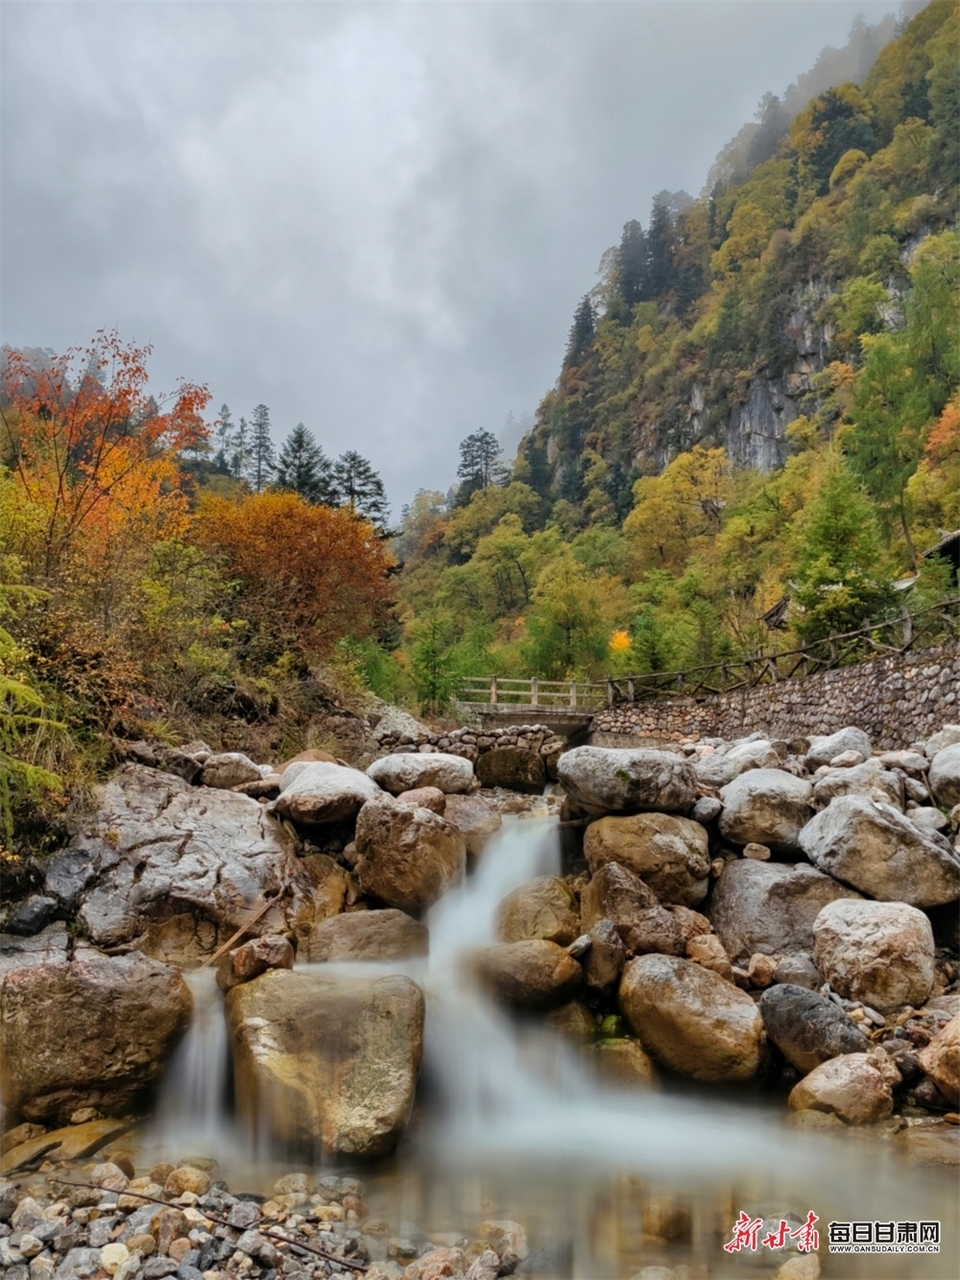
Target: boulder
<point>407,858</point>
<point>878,850</point>
<point>948,736</point>
<point>425,798</point>
<point>328,1065</point>
<point>320,793</point>
<point>311,756</point>
<point>753,753</point>
<point>616,893</point>
<point>94,1031</point>
<point>623,1061</point>
<point>476,818</point>
<point>407,770</point>
<point>808,1028</point>
<point>229,769</point>
<point>671,854</point>
<point>851,1087</point>
<point>692,1021</point>
<point>514,768</point>
<point>766,806</point>
<point>366,935</point>
<point>321,888</point>
<point>941,1060</point>
<point>73,1142</point>
<point>825,748</point>
<point>174,868</point>
<point>706,949</point>
<point>534,974</point>
<point>246,962</point>
<point>770,907</point>
<point>574,1021</point>
<point>717,770</point>
<point>603,963</point>
<point>542,908</point>
<point>945,776</point>
<point>869,779</point>
<point>881,953</point>
<point>912,763</point>
<point>603,780</point>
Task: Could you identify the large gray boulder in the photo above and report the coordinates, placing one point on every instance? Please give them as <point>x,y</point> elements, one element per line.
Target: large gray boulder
<point>948,736</point>
<point>229,769</point>
<point>692,1021</point>
<point>408,858</point>
<point>808,1028</point>
<point>825,748</point>
<point>873,847</point>
<point>671,854</point>
<point>766,806</point>
<point>613,780</point>
<point>408,770</point>
<point>92,1031</point>
<point>327,1065</point>
<point>945,776</point>
<point>854,1087</point>
<point>172,868</point>
<point>770,907</point>
<point>879,952</point>
<point>869,779</point>
<point>319,793</point>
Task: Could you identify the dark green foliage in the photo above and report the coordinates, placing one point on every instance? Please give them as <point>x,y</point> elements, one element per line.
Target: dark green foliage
<point>632,264</point>
<point>480,465</point>
<point>303,468</point>
<point>356,485</point>
<point>581,333</point>
<point>262,458</point>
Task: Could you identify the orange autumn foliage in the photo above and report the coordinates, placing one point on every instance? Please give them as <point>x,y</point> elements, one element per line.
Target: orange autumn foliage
<point>95,455</point>
<point>307,575</point>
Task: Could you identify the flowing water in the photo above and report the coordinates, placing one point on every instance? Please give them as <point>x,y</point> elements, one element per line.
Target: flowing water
<point>512,1124</point>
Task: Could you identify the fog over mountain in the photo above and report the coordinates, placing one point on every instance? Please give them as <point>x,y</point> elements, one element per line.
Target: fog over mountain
<point>376,219</point>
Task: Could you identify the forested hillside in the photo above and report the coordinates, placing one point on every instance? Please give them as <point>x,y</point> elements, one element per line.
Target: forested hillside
<point>757,402</point>
<point>754,434</point>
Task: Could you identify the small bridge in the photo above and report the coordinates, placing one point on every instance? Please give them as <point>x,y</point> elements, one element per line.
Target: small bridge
<point>568,706</point>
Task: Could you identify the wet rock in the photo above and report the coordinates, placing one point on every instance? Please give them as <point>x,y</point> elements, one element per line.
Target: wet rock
<point>671,854</point>
<point>798,970</point>
<point>880,953</point>
<point>616,894</point>
<point>850,1087</point>
<point>945,776</point>
<point>573,1020</point>
<point>766,806</point>
<point>32,915</point>
<point>515,768</point>
<point>94,1031</point>
<point>760,969</point>
<point>941,1060</point>
<point>476,818</point>
<point>408,858</point>
<point>931,1144</point>
<point>175,868</point>
<point>229,769</point>
<point>823,749</point>
<point>542,908</point>
<point>707,808</point>
<point>601,780</point>
<point>320,888</point>
<point>367,935</point>
<point>534,974</point>
<point>807,1028</point>
<point>691,1020</point>
<point>437,1265</point>
<point>425,798</point>
<point>770,907</point>
<point>186,1177</point>
<point>603,963</point>
<point>72,1142</point>
<point>878,850</point>
<point>248,961</point>
<point>403,772</point>
<point>329,1065</point>
<point>322,793</point>
<point>869,779</point>
<point>623,1061</point>
<point>508,1240</point>
<point>706,949</point>
<point>486,1267</point>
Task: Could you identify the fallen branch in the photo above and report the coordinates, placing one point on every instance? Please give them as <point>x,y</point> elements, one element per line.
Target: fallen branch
<point>244,928</point>
<point>269,1232</point>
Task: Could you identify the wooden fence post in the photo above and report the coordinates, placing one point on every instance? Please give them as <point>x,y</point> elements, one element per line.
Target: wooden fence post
<point>493,691</point>
<point>534,700</point>
<point>573,693</point>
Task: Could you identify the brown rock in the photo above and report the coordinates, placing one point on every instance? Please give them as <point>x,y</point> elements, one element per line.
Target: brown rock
<point>476,818</point>
<point>71,1143</point>
<point>437,1265</point>
<point>321,888</point>
<point>761,969</point>
<point>879,952</point>
<point>186,1178</point>
<point>408,858</point>
<point>253,958</point>
<point>603,963</point>
<point>168,1225</point>
<point>312,756</point>
<point>514,768</point>
<point>766,806</point>
<point>616,893</point>
<point>706,949</point>
<point>623,1061</point>
<point>691,1020</point>
<point>671,854</point>
<point>941,1060</point>
<point>425,798</point>
<point>533,974</point>
<point>850,1087</point>
<point>542,908</point>
<point>367,935</point>
<point>573,1020</point>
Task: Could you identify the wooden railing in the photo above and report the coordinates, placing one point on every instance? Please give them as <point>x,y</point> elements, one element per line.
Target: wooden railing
<point>935,625</point>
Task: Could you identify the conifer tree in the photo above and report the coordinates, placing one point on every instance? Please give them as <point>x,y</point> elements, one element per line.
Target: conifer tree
<point>356,485</point>
<point>262,457</point>
<point>224,434</point>
<point>480,466</point>
<point>581,333</point>
<point>239,457</point>
<point>632,263</point>
<point>303,468</point>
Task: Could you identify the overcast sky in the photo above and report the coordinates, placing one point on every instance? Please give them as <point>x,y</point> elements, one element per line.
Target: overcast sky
<point>375,218</point>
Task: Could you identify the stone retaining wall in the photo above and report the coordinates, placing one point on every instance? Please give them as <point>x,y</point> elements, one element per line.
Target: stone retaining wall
<point>896,699</point>
<point>472,743</point>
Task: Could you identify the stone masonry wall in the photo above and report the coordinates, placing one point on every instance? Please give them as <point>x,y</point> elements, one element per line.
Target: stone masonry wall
<point>895,699</point>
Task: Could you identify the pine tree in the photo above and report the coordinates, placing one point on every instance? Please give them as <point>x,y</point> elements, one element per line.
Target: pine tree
<point>480,466</point>
<point>581,333</point>
<point>239,456</point>
<point>224,434</point>
<point>356,485</point>
<point>658,275</point>
<point>262,458</point>
<point>304,468</point>
<point>632,263</point>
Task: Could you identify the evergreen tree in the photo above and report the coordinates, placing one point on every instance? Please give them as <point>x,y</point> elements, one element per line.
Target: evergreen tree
<point>262,458</point>
<point>356,485</point>
<point>480,466</point>
<point>632,264</point>
<point>658,274</point>
<point>225,432</point>
<point>581,333</point>
<point>239,457</point>
<point>304,468</point>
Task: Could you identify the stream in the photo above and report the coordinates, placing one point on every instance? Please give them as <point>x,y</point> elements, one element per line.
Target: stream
<point>510,1123</point>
